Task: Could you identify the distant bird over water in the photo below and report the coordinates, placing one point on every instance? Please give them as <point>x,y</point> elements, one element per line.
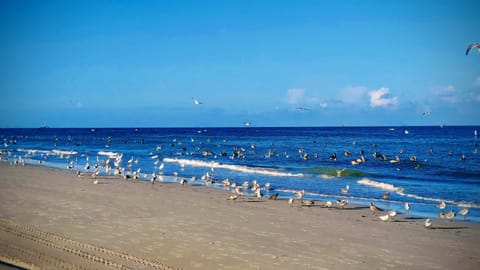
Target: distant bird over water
<point>471,46</point>
<point>196,101</point>
<point>303,109</point>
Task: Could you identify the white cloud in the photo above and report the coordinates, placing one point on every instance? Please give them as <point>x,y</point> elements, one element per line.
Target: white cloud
<point>353,95</point>
<point>447,94</point>
<point>378,98</point>
<point>295,95</point>
<point>477,81</point>
<point>298,96</point>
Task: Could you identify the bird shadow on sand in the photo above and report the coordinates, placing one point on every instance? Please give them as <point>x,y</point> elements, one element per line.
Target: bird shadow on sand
<point>353,208</point>
<point>413,218</point>
<point>449,228</point>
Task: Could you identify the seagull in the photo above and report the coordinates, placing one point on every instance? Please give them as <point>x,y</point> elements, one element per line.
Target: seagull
<point>342,203</point>
<point>392,213</point>
<point>426,113</point>
<point>463,212</point>
<point>386,196</point>
<point>290,201</point>
<point>273,197</point>
<point>327,204</point>
<point>428,223</point>
<point>232,197</point>
<point>345,189</point>
<point>303,109</point>
<point>299,194</point>
<point>196,101</point>
<point>247,124</point>
<point>471,46</point>
<point>374,208</point>
<point>442,205</point>
<point>450,215</point>
<point>384,218</point>
<point>406,206</point>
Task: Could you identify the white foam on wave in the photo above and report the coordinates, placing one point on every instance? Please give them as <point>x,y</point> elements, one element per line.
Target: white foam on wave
<point>400,191</point>
<point>109,154</point>
<point>63,152</point>
<point>32,151</point>
<point>239,168</point>
<point>380,185</point>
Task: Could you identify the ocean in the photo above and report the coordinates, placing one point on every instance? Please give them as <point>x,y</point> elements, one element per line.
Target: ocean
<point>419,165</point>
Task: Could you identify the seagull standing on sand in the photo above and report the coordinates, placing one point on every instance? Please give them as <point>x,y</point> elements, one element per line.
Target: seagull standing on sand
<point>471,46</point>
<point>384,218</point>
<point>428,223</point>
<point>374,208</point>
<point>406,206</point>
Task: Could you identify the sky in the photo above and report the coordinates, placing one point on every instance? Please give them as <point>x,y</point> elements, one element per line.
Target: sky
<point>140,63</point>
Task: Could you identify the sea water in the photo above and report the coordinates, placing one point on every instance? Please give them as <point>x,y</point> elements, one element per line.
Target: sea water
<point>419,165</point>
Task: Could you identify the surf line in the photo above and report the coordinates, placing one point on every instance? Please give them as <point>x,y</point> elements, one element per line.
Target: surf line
<point>216,165</point>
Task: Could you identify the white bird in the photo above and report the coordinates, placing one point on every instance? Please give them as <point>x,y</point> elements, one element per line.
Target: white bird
<point>450,215</point>
<point>342,203</point>
<point>328,204</point>
<point>232,197</point>
<point>247,124</point>
<point>442,205</point>
<point>196,101</point>
<point>428,223</point>
<point>303,109</point>
<point>384,217</point>
<point>406,206</point>
<point>392,213</point>
<point>290,201</point>
<point>345,189</point>
<point>463,212</point>
<point>299,194</point>
<point>471,46</point>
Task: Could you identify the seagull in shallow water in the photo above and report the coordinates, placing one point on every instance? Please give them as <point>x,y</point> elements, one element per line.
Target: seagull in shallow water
<point>406,206</point>
<point>463,212</point>
<point>471,46</point>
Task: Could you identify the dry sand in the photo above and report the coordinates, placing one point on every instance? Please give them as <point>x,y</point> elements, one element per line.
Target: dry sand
<point>54,219</point>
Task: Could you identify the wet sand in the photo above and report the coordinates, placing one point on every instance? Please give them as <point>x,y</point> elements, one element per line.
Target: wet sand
<point>54,219</point>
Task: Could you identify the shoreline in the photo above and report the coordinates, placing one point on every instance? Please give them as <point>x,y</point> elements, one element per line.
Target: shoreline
<point>196,227</point>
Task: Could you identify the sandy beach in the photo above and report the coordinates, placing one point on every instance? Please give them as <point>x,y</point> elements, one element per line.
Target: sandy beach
<point>54,219</point>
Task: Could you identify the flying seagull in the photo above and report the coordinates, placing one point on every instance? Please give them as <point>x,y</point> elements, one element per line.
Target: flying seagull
<point>471,46</point>
<point>303,109</point>
<point>196,101</point>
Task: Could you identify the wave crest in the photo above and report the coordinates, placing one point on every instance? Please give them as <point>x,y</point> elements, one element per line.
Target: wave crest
<point>239,168</point>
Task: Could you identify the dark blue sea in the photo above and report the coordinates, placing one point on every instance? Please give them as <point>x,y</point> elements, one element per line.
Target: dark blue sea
<point>420,165</point>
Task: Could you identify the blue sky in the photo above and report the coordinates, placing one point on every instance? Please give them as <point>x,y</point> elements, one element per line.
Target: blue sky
<point>140,63</point>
